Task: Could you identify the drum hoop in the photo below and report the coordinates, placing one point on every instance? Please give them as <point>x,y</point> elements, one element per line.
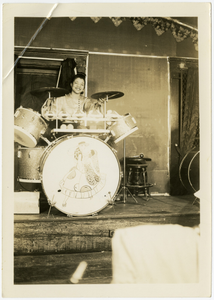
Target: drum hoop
<point>123,136</point>
<point>52,145</point>
<point>29,180</point>
<point>56,143</point>
<point>31,148</point>
<point>181,165</point>
<point>189,167</point>
<point>35,113</point>
<point>20,129</point>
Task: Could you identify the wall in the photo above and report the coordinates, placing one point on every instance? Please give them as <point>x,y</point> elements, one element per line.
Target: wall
<point>104,36</point>
<point>143,80</point>
<point>144,84</point>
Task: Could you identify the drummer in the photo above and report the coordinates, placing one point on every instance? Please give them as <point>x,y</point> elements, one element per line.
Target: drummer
<point>74,104</point>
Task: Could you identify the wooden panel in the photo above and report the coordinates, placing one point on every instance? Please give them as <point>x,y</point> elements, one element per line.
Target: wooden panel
<point>85,237</point>
<point>39,64</point>
<point>156,206</point>
<point>61,244</point>
<point>58,268</point>
<point>99,228</point>
<point>60,234</point>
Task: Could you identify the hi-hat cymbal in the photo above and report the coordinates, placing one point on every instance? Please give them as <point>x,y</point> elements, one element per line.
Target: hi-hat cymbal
<point>54,92</point>
<point>110,95</point>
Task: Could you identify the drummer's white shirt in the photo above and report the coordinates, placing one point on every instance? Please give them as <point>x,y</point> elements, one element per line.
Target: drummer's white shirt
<point>68,105</point>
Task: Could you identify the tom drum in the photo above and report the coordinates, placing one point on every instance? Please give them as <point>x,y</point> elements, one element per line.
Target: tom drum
<point>28,127</point>
<point>123,127</point>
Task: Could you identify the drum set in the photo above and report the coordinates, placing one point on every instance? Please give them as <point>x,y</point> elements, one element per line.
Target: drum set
<point>79,170</point>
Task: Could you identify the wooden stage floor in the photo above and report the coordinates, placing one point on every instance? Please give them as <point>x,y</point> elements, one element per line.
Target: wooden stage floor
<point>47,249</point>
<point>155,206</point>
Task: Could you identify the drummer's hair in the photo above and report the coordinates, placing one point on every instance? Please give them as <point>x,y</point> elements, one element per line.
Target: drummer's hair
<point>79,75</point>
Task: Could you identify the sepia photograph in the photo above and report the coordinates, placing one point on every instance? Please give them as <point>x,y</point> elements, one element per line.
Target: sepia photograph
<point>106,150</point>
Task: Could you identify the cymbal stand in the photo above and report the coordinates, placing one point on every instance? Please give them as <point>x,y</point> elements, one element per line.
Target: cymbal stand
<point>104,112</point>
<point>50,101</point>
<point>124,187</point>
<point>57,84</point>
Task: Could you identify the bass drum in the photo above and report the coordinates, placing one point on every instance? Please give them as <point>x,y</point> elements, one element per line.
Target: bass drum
<point>80,175</point>
<point>189,170</point>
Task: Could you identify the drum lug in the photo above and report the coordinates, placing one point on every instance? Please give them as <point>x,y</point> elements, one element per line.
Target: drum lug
<point>70,216</point>
<point>112,132</point>
<point>94,214</point>
<point>16,113</point>
<point>19,154</point>
<point>45,139</point>
<point>114,150</point>
<point>54,142</point>
<point>134,120</point>
<point>69,136</point>
<point>51,202</point>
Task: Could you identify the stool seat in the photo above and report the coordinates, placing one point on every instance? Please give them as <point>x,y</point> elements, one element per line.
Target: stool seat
<point>140,186</point>
<point>137,177</point>
<point>137,165</point>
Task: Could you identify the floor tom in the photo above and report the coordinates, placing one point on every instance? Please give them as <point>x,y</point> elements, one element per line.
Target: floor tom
<point>28,164</point>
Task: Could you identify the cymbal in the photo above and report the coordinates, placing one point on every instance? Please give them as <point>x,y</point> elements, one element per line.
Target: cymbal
<point>110,95</point>
<point>54,92</point>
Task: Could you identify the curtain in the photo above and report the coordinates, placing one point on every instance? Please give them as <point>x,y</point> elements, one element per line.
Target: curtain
<point>191,112</point>
<point>68,66</point>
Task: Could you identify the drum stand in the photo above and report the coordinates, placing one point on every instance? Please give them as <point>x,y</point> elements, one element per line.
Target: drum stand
<point>124,188</point>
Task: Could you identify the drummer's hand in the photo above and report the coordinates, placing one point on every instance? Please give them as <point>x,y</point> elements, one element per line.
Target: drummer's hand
<point>99,103</point>
<point>101,100</point>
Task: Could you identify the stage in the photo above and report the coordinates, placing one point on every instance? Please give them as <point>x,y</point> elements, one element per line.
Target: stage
<point>49,246</point>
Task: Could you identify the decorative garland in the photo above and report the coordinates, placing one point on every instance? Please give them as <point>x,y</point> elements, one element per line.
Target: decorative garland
<point>179,30</point>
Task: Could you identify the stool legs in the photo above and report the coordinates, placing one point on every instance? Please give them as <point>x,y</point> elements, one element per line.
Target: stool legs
<point>137,179</point>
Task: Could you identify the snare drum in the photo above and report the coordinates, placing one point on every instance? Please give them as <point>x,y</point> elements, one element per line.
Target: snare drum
<point>28,127</point>
<point>80,175</point>
<point>28,164</point>
<point>123,127</point>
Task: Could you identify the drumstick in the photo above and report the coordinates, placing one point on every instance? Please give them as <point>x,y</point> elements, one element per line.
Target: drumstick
<point>59,76</point>
<point>104,113</point>
<point>77,276</point>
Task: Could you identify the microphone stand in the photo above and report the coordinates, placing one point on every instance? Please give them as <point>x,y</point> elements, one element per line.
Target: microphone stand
<point>124,187</point>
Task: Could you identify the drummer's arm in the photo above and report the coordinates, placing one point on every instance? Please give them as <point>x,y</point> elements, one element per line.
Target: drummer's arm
<point>90,104</point>
<point>51,104</point>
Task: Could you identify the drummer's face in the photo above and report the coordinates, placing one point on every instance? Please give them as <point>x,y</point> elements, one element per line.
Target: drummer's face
<point>78,86</point>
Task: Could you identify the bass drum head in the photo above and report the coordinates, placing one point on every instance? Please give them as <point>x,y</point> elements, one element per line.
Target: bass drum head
<point>80,175</point>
